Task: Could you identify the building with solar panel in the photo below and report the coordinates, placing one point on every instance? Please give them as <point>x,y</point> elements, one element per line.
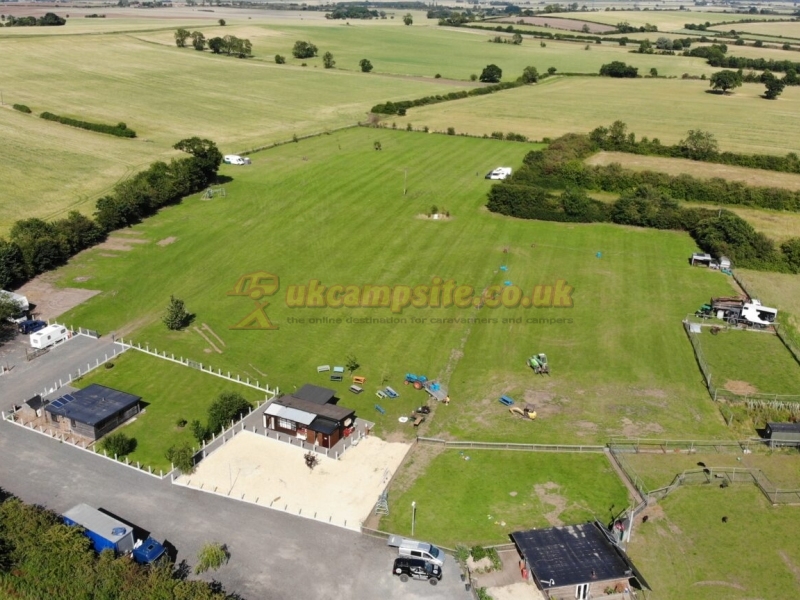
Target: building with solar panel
<point>577,561</point>
<point>92,412</point>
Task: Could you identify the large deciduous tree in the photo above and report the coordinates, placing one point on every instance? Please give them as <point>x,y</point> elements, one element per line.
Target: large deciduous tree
<point>491,74</point>
<point>304,49</point>
<point>725,80</point>
<point>181,36</point>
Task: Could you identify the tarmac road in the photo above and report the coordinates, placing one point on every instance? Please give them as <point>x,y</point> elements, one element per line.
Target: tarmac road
<point>273,555</point>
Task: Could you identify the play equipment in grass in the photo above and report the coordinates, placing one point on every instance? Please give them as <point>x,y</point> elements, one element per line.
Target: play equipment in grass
<point>526,413</point>
<point>538,362</point>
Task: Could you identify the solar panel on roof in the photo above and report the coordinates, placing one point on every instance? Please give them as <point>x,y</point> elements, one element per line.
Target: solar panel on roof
<point>69,397</point>
<point>56,404</point>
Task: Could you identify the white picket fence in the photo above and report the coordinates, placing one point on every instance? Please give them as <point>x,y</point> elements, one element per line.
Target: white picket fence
<point>129,344</point>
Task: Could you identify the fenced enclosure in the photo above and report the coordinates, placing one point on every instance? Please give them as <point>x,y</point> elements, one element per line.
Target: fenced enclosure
<point>724,476</point>
<point>746,396</point>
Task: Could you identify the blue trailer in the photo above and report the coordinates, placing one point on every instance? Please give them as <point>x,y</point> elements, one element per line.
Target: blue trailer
<point>108,533</point>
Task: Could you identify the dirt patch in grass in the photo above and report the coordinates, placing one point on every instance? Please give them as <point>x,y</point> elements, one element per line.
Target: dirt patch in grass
<point>167,241</point>
<point>725,583</point>
<point>544,402</point>
<point>547,494</point>
<point>52,301</point>
<point>740,387</point>
<point>107,255</point>
<point>120,244</point>
<point>82,279</point>
<point>633,429</point>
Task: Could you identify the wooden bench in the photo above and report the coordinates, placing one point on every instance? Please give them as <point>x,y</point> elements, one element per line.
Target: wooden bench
<point>359,379</point>
<point>380,394</point>
<point>323,368</point>
<point>338,369</point>
<point>380,409</point>
<point>336,377</point>
<point>418,421</point>
<point>506,400</point>
<point>356,389</point>
<point>391,393</point>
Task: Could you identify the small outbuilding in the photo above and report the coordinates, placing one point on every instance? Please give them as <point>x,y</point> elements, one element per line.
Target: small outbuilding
<point>783,434</point>
<point>310,414</point>
<point>93,411</point>
<point>724,262</point>
<point>576,561</point>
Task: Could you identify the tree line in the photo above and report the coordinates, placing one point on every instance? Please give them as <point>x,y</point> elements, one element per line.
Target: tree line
<point>48,20</point>
<point>491,73</point>
<point>42,557</point>
<point>119,130</point>
<point>229,44</point>
<point>716,56</point>
<point>35,246</point>
<point>647,199</point>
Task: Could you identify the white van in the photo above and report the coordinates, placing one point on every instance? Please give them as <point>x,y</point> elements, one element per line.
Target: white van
<point>49,336</point>
<point>416,549</point>
<point>234,159</point>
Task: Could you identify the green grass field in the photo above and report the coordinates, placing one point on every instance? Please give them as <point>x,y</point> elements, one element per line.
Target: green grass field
<point>483,499</point>
<point>454,53</point>
<point>686,551</point>
<point>164,94</point>
<point>332,208</point>
<point>666,109</point>
<point>171,392</point>
<point>759,360</point>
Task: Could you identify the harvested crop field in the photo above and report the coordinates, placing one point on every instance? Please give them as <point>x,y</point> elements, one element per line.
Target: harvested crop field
<point>557,23</point>
<point>681,166</point>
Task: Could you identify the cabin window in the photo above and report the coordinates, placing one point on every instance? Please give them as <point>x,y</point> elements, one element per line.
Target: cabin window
<point>582,591</point>
<point>287,424</point>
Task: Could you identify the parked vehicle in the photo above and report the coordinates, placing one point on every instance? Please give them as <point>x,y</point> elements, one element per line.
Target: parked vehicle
<point>416,568</point>
<point>415,549</point>
<point>49,336</point>
<point>107,533</point>
<point>738,310</point>
<point>29,326</point>
<point>235,159</point>
<point>499,173</point>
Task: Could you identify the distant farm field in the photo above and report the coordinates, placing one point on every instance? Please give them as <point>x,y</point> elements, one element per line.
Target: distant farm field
<point>678,166</point>
<point>454,53</point>
<point>686,550</point>
<point>665,20</point>
<point>665,109</point>
<point>332,209</point>
<point>784,29</point>
<point>164,94</point>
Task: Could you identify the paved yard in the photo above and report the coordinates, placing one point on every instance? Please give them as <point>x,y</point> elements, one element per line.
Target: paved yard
<point>260,469</point>
<point>26,379</point>
<point>273,555</point>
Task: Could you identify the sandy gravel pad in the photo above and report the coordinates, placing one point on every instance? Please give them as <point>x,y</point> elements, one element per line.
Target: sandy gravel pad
<point>341,492</point>
<point>517,591</point>
<point>52,301</point>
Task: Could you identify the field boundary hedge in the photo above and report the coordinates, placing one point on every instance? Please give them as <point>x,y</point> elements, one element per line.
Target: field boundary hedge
<point>119,130</point>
